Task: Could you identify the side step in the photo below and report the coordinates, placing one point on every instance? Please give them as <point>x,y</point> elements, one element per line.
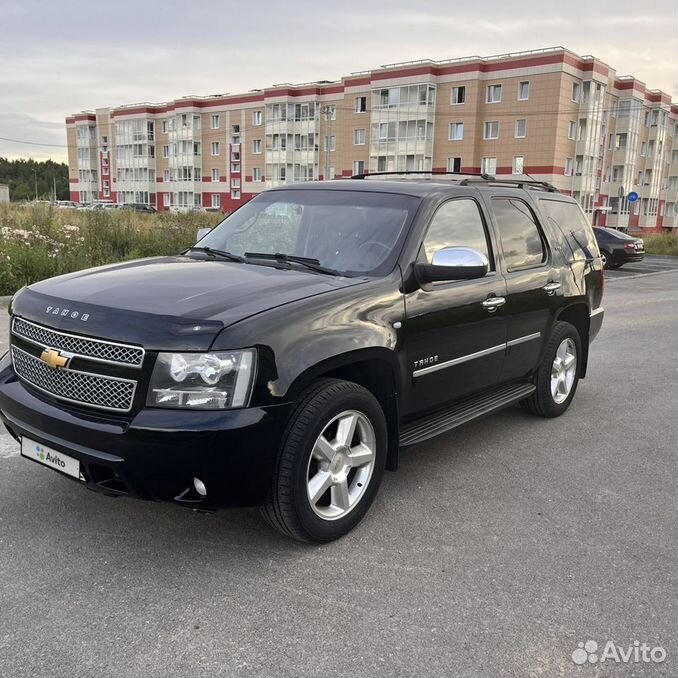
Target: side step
<point>478,406</point>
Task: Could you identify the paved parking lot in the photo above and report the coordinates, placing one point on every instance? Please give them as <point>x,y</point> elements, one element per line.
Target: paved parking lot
<point>650,264</point>
<point>492,552</point>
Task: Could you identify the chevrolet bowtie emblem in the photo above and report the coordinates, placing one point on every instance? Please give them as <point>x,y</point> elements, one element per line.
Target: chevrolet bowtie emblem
<point>55,359</point>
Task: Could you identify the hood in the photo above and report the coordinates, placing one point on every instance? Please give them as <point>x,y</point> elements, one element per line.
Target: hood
<point>169,302</point>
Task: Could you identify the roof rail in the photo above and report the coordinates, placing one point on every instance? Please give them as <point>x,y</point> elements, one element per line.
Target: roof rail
<point>520,183</point>
<point>469,178</point>
<point>368,175</point>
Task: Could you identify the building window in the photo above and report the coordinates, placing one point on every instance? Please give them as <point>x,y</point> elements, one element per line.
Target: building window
<point>256,174</point>
<point>458,95</point>
<point>235,156</point>
<point>358,167</point>
<point>489,166</point>
<point>164,128</point>
<point>330,143</point>
<point>360,105</point>
<point>358,137</point>
<point>215,174</point>
<point>521,128</point>
<point>215,148</point>
<point>456,131</point>
<point>166,176</point>
<point>257,118</point>
<point>235,168</point>
<point>215,122</point>
<point>569,167</point>
<point>493,94</point>
<point>235,194</point>
<point>491,130</point>
<point>454,164</point>
<point>256,146</point>
<point>576,91</point>
<point>165,151</point>
<point>167,199</point>
<point>216,200</point>
<point>524,90</point>
<point>572,130</point>
<point>518,164</point>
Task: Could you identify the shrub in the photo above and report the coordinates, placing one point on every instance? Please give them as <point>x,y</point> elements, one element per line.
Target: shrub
<point>661,243</point>
<point>38,242</point>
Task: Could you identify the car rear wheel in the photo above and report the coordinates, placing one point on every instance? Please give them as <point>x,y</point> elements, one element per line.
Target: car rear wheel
<point>330,464</point>
<point>557,378</point>
<point>606,258</point>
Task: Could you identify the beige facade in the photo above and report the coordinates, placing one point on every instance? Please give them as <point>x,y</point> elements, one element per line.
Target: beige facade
<point>551,114</point>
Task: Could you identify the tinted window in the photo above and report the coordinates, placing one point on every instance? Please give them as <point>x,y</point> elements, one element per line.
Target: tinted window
<point>521,239</point>
<point>572,222</point>
<point>612,234</point>
<point>457,223</point>
<point>354,232</point>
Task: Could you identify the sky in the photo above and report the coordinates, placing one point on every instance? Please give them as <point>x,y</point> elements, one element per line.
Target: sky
<point>59,57</point>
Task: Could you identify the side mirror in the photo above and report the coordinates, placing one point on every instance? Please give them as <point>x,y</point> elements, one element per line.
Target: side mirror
<point>453,263</point>
<point>202,232</point>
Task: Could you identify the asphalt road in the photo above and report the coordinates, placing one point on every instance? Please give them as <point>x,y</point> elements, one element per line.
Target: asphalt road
<point>492,552</point>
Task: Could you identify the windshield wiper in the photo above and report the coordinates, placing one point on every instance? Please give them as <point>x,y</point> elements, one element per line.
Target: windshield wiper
<point>313,264</point>
<point>216,253</point>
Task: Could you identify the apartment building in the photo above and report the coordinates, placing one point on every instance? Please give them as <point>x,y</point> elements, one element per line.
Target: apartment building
<point>549,113</point>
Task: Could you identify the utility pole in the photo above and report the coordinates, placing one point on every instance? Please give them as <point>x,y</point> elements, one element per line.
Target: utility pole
<point>329,112</point>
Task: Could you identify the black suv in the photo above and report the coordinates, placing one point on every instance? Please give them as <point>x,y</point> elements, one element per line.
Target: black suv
<point>284,360</point>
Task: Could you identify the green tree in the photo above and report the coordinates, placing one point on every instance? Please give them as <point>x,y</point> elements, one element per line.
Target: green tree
<point>21,176</point>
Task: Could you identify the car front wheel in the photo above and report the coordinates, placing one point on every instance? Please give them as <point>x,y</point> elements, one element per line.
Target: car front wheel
<point>330,463</point>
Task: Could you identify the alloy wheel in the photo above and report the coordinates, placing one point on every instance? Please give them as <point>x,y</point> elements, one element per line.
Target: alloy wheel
<point>564,370</point>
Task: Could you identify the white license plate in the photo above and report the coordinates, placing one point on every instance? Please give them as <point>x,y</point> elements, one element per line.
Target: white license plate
<point>49,457</point>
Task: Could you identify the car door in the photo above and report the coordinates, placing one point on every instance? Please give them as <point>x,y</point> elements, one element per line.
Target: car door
<point>455,332</point>
<point>533,282</point>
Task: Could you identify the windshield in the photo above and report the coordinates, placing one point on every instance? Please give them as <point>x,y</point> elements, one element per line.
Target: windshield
<point>353,232</point>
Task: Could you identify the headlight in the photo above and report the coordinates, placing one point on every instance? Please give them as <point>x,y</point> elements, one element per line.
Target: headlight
<point>205,381</point>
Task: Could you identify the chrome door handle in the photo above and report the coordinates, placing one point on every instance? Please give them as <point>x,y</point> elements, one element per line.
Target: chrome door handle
<point>493,303</point>
<point>551,287</point>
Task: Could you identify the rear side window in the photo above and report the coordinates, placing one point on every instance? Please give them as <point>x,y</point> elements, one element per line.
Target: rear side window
<point>572,223</point>
<point>457,223</point>
<point>521,238</point>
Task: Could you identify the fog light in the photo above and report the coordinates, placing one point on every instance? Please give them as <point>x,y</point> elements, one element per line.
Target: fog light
<point>200,487</point>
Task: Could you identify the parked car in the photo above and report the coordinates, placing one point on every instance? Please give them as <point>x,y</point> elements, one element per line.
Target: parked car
<point>285,360</point>
<point>65,204</point>
<point>104,206</point>
<point>618,248</point>
<point>139,207</point>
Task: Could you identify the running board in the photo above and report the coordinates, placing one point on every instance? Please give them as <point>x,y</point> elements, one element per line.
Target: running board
<point>478,406</point>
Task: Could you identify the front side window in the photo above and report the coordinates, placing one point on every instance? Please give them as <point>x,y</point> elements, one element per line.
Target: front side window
<point>457,223</point>
<point>521,238</point>
<point>354,232</point>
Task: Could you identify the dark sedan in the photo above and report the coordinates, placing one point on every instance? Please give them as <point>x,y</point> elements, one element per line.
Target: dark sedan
<point>618,248</point>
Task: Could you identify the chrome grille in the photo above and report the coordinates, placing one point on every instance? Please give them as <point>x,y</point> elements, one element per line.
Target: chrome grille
<point>83,388</point>
<point>83,347</point>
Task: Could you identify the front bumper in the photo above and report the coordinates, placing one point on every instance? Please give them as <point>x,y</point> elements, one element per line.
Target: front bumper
<point>156,453</point>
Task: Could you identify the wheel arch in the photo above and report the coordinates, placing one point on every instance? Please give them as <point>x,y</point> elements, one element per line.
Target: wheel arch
<point>577,314</point>
<point>375,369</point>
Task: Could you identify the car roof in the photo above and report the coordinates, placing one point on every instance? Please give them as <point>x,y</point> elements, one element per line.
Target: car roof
<point>421,187</point>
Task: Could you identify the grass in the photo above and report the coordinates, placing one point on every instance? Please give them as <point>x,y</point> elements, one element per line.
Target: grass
<point>38,242</point>
<point>661,243</point>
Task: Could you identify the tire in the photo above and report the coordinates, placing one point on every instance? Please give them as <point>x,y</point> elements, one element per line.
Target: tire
<point>544,402</point>
<point>306,464</point>
<point>607,259</point>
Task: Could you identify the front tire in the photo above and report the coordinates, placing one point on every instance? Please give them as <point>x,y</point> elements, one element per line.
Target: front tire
<point>330,464</point>
<point>557,377</point>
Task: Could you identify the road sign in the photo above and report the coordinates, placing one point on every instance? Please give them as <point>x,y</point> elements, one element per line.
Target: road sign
<point>632,196</point>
